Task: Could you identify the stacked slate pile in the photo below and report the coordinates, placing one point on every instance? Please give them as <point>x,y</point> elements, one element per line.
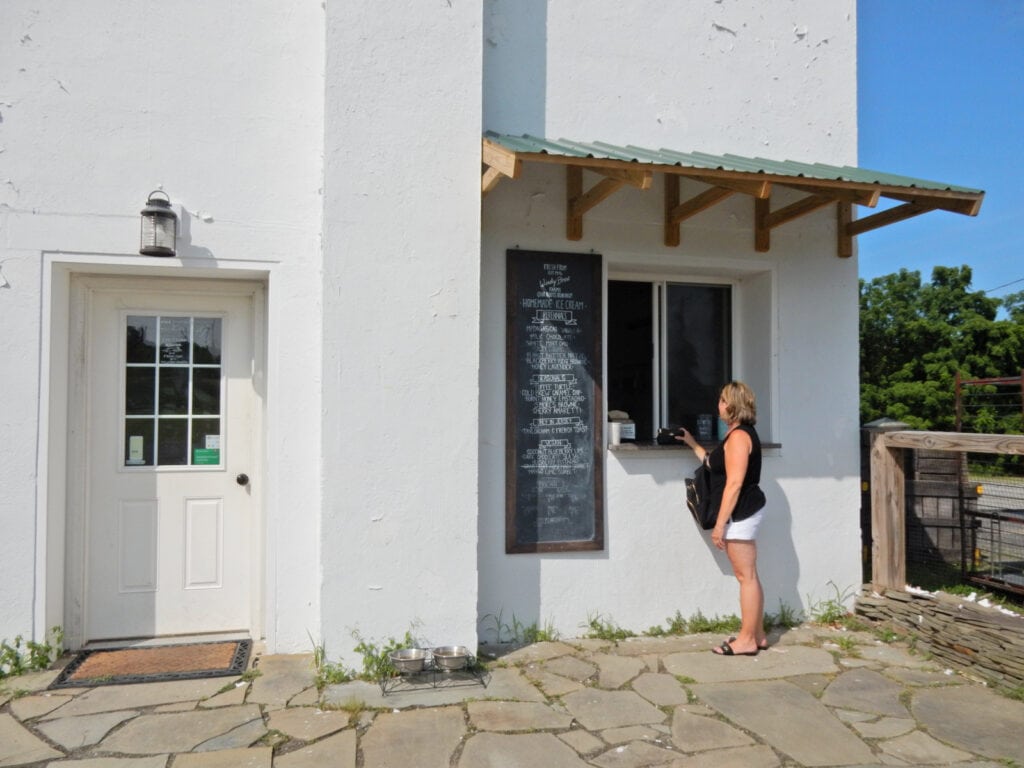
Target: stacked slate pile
<point>981,641</point>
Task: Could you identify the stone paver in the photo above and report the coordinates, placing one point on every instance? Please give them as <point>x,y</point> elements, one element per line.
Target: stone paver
<point>153,761</point>
<point>885,727</point>
<point>642,703</point>
<point>865,690</point>
<point>550,683</point>
<point>776,662</point>
<point>572,668</point>
<point>974,719</point>
<point>178,732</point>
<point>583,742</point>
<point>338,751</point>
<point>31,707</point>
<point>629,733</point>
<point>615,671</point>
<point>74,732</point>
<point>18,746</point>
<point>597,709</point>
<point>258,757</point>
<point>307,723</point>
<point>921,749</point>
<point>660,689</point>
<point>229,698</point>
<point>636,754</point>
<point>244,735</point>
<point>281,677</point>
<point>109,698</point>
<point>426,738</point>
<point>699,733</point>
<point>516,716</point>
<point>789,719</point>
<point>525,751</point>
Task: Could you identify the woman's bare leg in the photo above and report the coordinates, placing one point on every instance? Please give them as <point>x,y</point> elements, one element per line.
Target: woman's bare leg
<point>743,556</point>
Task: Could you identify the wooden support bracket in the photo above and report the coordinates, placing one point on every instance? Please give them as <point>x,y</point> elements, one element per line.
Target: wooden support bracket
<point>579,202</point>
<point>881,219</point>
<point>499,163</point>
<point>765,219</point>
<point>676,212</point>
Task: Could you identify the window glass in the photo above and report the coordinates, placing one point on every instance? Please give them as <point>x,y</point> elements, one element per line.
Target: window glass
<point>206,390</point>
<point>172,441</point>
<point>141,339</point>
<point>138,442</point>
<point>698,341</point>
<point>173,372</point>
<point>174,333</point>
<point>669,353</point>
<point>173,390</point>
<point>140,390</point>
<point>206,340</point>
<point>631,352</point>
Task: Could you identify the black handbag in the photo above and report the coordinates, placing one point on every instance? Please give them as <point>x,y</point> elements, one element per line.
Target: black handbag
<point>698,498</point>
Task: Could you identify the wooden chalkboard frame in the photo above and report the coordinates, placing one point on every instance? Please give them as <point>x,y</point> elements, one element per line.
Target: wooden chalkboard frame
<point>587,447</point>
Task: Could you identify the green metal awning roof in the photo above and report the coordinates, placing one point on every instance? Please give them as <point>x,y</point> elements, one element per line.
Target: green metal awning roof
<point>724,175</point>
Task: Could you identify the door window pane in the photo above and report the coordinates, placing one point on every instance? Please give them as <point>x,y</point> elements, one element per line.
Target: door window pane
<point>206,390</point>
<point>174,333</point>
<point>172,441</point>
<point>141,339</point>
<point>172,370</point>
<point>173,391</point>
<point>138,442</point>
<point>140,390</point>
<point>206,340</point>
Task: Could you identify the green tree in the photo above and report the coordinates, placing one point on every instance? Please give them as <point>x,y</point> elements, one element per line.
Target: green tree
<point>916,336</point>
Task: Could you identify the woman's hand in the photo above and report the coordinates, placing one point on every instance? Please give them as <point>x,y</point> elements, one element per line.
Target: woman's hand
<point>718,536</point>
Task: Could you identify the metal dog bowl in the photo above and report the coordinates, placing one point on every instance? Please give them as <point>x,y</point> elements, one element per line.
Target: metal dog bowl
<point>451,656</point>
<point>408,660</point>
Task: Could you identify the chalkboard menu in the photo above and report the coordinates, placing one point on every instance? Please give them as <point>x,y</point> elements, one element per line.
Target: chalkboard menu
<point>554,487</point>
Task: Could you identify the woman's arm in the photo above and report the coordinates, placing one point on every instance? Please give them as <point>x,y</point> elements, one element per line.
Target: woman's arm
<point>698,449</point>
<point>737,456</point>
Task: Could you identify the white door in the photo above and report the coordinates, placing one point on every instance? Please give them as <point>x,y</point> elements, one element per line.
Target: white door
<point>170,465</point>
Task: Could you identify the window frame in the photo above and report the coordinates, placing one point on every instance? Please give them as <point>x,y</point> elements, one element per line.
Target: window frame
<point>659,336</point>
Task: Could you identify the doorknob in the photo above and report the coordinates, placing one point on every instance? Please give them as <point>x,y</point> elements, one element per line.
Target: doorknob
<point>242,479</point>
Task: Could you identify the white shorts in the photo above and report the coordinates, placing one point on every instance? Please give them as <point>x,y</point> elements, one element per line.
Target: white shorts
<point>744,530</point>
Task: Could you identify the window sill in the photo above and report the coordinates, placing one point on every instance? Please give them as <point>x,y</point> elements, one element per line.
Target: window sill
<point>626,449</point>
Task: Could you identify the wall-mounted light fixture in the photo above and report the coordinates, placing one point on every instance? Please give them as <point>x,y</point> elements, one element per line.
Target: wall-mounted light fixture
<point>159,226</point>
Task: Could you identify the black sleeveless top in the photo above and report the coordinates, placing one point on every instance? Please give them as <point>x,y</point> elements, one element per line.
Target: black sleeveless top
<point>716,464</point>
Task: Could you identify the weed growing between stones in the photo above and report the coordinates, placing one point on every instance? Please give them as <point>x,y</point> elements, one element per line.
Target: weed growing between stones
<point>518,632</point>
<point>27,656</point>
<point>831,610</point>
<point>605,629</point>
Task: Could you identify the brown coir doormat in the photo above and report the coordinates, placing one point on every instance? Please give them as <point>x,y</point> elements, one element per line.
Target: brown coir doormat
<point>153,664</point>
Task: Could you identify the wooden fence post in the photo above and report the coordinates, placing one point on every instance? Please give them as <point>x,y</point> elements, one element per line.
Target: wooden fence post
<point>888,516</point>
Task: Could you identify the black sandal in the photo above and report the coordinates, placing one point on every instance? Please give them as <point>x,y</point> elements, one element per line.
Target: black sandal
<point>726,650</point>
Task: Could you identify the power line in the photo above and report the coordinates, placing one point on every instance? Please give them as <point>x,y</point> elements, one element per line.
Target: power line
<point>1004,285</point>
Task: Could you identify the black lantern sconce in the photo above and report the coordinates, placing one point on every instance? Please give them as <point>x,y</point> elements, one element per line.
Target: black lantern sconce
<point>159,226</point>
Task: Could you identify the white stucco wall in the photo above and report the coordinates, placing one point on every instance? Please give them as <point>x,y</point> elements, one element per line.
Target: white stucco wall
<point>401,323</point>
<point>775,81</point>
<point>221,103</point>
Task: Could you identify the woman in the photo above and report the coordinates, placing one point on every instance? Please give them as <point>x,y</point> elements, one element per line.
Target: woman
<point>736,464</point>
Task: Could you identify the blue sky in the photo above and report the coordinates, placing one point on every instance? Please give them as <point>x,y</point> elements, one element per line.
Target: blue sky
<point>941,96</point>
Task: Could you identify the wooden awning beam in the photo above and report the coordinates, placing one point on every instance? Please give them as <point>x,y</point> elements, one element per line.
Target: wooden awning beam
<point>676,212</point>
<point>882,218</point>
<point>579,202</point>
<point>499,163</point>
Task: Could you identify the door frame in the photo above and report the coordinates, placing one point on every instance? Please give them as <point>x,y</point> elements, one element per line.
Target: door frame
<point>61,535</point>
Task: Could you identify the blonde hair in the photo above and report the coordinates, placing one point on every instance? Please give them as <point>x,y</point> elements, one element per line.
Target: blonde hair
<point>740,405</point>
